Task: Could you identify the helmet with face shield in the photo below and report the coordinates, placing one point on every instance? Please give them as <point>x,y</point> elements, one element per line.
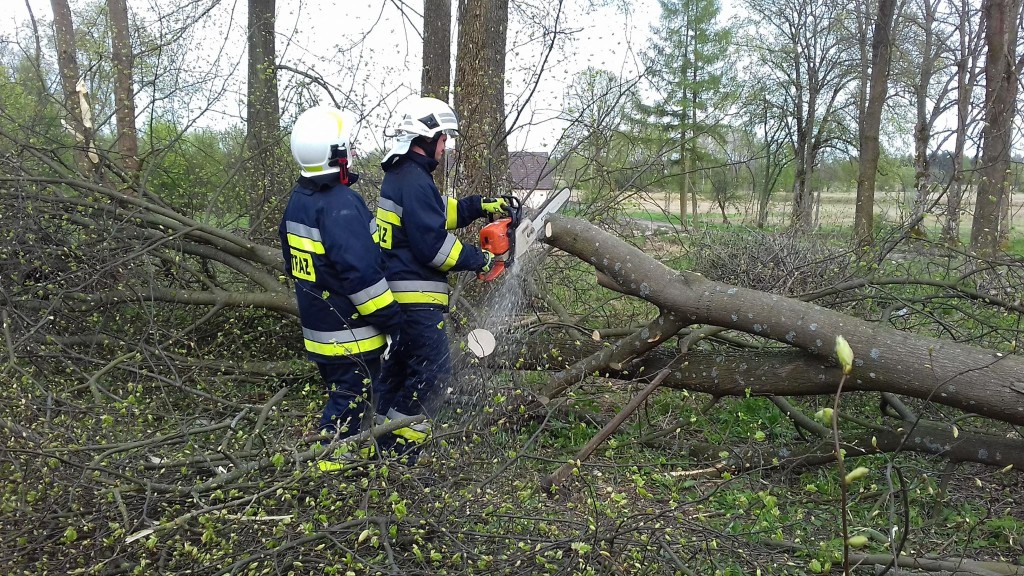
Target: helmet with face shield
<point>422,120</point>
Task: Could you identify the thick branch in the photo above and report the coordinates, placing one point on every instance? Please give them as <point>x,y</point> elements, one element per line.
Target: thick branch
<point>966,377</point>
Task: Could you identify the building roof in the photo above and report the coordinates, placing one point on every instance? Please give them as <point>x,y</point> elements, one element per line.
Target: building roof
<point>527,170</point>
<point>531,171</point>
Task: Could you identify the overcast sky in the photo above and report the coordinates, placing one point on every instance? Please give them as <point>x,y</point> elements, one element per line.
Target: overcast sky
<point>371,51</point>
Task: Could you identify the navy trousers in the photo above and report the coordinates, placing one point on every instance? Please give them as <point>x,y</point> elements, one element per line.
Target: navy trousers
<point>417,366</point>
<point>349,384</point>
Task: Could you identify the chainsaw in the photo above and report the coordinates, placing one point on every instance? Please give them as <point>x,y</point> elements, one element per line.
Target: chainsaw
<point>510,237</point>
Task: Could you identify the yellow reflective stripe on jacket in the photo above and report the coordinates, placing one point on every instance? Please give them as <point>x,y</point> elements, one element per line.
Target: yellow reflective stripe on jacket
<point>305,244</point>
<point>448,255</point>
<point>369,300</point>
<point>344,342</point>
<point>451,214</point>
<point>305,238</point>
<point>419,292</point>
<point>389,211</point>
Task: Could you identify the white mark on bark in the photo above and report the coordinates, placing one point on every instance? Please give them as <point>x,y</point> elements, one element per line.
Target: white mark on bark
<point>732,291</point>
<point>735,318</point>
<point>876,353</point>
<point>818,343</point>
<point>872,374</point>
<point>858,362</point>
<point>645,289</point>
<point>757,328</point>
<point>790,336</point>
<point>813,326</point>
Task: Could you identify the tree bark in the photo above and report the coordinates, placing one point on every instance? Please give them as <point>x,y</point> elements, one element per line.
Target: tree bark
<point>437,61</point>
<point>970,378</point>
<point>437,52</point>
<point>1000,110</point>
<point>263,120</point>
<point>67,66</point>
<point>480,97</point>
<point>124,88</point>
<point>871,123</point>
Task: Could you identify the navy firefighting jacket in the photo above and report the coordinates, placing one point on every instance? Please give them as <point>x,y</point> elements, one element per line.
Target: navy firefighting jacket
<point>413,223</point>
<point>345,305</point>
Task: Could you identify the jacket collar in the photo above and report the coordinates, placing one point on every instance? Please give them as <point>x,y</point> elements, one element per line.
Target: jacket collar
<point>324,182</point>
<point>428,164</point>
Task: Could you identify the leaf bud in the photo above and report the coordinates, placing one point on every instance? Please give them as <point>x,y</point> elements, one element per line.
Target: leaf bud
<point>856,474</point>
<point>845,355</point>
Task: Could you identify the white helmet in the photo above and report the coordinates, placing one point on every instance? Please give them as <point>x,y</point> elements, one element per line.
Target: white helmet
<point>421,116</point>
<point>321,136</point>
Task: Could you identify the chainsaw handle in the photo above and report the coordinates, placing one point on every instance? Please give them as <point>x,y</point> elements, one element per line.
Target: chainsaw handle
<point>496,270</point>
<point>515,209</point>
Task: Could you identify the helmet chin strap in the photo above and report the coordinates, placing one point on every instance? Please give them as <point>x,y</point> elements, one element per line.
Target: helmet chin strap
<point>339,158</point>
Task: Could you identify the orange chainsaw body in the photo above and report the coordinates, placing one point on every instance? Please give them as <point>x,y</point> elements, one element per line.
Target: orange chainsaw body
<point>499,238</point>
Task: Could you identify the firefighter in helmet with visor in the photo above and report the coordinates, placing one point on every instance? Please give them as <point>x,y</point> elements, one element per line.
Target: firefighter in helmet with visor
<point>414,224</point>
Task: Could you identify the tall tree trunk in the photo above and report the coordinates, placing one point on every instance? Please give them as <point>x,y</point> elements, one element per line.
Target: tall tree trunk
<point>480,96</point>
<point>803,197</point>
<point>437,56</point>
<point>263,117</point>
<point>803,194</point>
<point>923,123</point>
<point>871,123</point>
<point>965,82</point>
<point>67,66</point>
<point>1000,107</point>
<point>124,88</point>
<point>684,179</point>
<point>437,51</point>
<point>693,156</point>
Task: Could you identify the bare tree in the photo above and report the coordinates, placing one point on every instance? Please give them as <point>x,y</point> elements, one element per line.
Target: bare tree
<point>871,122</point>
<point>75,96</point>
<point>1002,69</point>
<point>804,47</point>
<point>123,59</point>
<point>967,55</point>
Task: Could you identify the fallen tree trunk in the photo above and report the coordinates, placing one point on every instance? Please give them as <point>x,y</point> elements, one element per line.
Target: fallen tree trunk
<point>966,377</point>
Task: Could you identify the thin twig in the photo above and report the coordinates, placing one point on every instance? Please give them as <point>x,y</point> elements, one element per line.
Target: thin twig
<point>551,482</point>
<point>842,477</point>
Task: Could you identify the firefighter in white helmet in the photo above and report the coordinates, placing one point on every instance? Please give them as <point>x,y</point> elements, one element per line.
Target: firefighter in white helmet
<point>328,237</point>
<point>414,222</point>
